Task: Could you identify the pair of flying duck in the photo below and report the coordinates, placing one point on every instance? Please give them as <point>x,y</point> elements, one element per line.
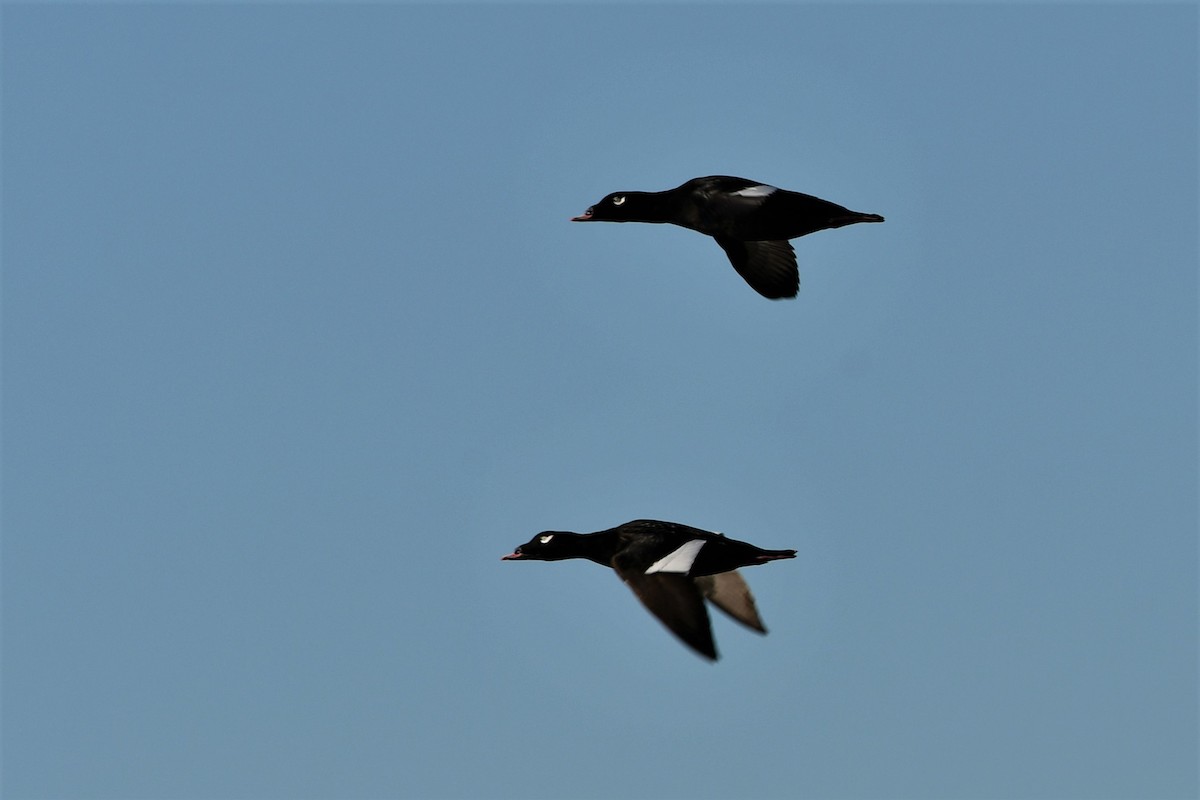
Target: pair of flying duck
<point>673,569</point>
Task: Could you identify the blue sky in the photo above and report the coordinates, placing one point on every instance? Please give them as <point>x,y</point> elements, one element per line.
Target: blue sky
<point>298,341</point>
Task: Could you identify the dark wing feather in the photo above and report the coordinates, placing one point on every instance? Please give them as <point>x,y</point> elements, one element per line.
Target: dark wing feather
<point>769,267</point>
<point>677,603</point>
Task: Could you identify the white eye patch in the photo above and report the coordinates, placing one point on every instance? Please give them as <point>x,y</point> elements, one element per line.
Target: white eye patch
<point>546,539</point>
<point>761,190</point>
<point>679,560</point>
<point>618,200</point>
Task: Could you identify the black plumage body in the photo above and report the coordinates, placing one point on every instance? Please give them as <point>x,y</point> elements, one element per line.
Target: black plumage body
<point>751,221</point>
<point>672,568</point>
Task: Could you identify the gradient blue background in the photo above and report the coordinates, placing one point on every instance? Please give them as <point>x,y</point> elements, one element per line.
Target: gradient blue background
<point>298,341</point>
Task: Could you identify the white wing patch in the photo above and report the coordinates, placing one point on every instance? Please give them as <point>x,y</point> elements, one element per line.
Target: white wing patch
<point>761,190</point>
<point>546,539</point>
<point>679,560</point>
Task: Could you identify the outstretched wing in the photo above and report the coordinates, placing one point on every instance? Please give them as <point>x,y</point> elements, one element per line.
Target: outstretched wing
<point>769,267</point>
<point>676,601</point>
<point>728,591</point>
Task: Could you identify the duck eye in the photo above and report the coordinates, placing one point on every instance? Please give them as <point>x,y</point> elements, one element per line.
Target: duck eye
<point>618,200</point>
